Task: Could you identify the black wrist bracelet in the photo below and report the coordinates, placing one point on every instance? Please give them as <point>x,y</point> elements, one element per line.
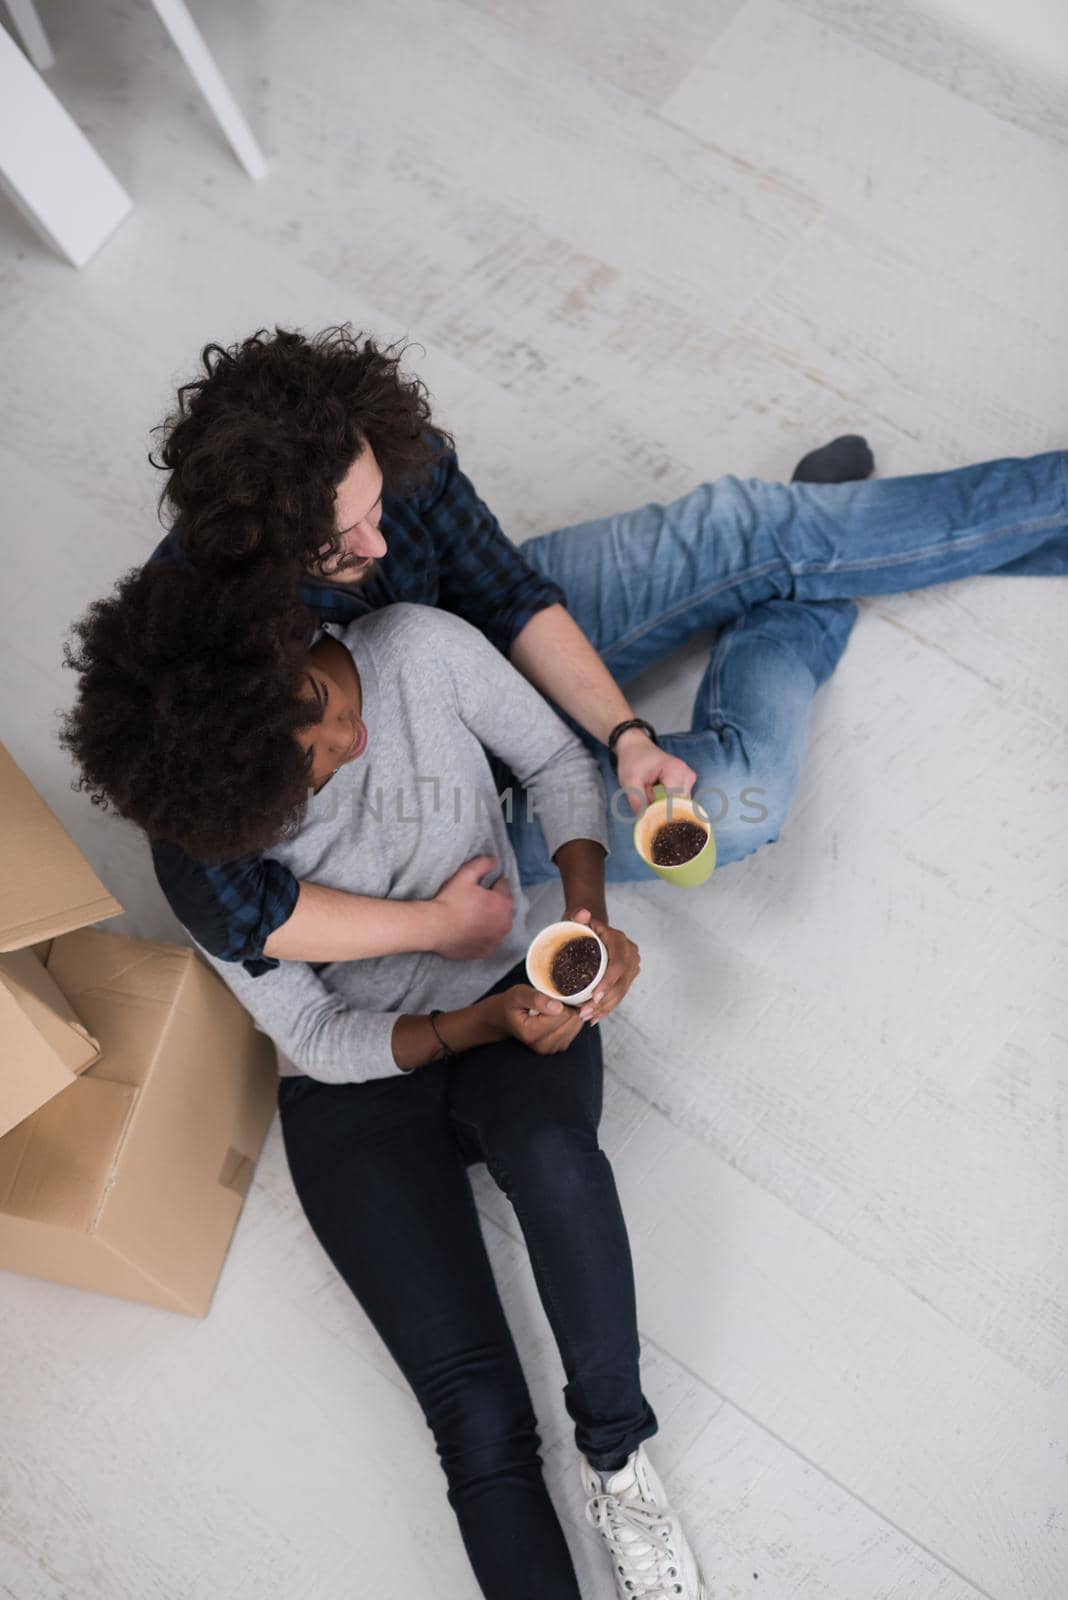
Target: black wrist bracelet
<point>620,729</point>
<point>449,1054</point>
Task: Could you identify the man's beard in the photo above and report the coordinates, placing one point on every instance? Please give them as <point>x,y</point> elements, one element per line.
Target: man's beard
<point>349,577</point>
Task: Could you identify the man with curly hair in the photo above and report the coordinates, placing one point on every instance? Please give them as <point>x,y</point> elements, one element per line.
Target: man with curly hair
<point>207,716</point>
<point>319,454</point>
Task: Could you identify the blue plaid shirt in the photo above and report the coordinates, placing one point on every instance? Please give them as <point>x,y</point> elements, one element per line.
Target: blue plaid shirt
<point>446,549</point>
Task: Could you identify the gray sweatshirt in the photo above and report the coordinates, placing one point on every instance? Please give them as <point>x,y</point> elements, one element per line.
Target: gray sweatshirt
<point>402,818</point>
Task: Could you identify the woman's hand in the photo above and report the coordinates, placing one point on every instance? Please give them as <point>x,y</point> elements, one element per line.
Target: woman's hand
<point>643,764</point>
<point>549,1030</point>
<point>624,964</point>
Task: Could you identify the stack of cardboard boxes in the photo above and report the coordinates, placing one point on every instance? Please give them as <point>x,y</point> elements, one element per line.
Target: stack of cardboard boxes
<point>135,1093</point>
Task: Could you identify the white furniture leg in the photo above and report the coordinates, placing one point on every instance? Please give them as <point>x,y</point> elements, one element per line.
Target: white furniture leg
<point>27,25</point>
<point>48,166</point>
<point>189,42</point>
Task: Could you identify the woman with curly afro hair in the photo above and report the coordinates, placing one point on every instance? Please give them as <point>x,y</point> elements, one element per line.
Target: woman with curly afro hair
<point>209,715</point>
<point>188,715</point>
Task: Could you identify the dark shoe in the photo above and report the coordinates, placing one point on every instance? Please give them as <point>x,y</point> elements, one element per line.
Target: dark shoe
<point>844,460</point>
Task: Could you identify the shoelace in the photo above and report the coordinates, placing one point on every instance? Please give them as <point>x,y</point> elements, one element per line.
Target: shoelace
<point>636,1535</point>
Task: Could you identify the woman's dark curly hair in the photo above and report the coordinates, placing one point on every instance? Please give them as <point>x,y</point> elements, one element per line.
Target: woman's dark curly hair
<point>259,443</point>
<point>189,701</point>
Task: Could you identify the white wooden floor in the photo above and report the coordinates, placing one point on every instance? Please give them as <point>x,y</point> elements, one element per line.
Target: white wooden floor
<point>642,244</point>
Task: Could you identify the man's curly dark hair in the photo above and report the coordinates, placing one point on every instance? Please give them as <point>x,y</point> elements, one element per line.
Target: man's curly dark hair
<point>259,442</point>
<point>191,694</point>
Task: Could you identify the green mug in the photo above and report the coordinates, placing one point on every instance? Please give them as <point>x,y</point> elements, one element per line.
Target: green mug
<point>675,808</point>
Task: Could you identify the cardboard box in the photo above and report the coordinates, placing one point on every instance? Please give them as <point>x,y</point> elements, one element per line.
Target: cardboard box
<point>130,1181</point>
<point>139,1090</point>
<point>46,888</point>
<point>45,1043</point>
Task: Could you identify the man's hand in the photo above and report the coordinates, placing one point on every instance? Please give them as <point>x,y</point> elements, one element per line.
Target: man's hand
<point>624,963</point>
<point>473,920</point>
<point>545,1026</point>
<point>643,764</point>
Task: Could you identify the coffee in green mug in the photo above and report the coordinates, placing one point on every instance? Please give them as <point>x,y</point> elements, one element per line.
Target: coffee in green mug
<point>674,838</point>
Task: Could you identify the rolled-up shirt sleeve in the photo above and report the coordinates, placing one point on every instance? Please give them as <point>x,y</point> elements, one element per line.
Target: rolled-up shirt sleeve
<point>230,909</point>
<point>483,576</point>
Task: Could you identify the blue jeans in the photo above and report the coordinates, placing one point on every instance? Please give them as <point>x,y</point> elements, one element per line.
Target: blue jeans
<point>776,568</point>
<point>380,1171</point>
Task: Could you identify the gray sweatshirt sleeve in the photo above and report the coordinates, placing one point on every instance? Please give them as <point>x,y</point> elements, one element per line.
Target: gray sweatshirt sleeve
<point>510,717</point>
<point>314,1027</point>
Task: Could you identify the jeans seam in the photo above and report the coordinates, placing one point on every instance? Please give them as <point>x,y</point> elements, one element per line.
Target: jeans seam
<point>684,605</point>
<point>717,670</point>
<point>968,542</point>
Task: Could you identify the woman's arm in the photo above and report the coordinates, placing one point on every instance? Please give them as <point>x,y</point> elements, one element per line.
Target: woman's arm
<point>580,863</point>
<point>313,1026</point>
<point>252,913</point>
<point>321,1033</point>
<point>416,1044</point>
<point>333,1042</point>
<point>543,1025</point>
<point>581,866</point>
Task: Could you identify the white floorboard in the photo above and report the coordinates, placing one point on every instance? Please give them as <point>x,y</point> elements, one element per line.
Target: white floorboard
<point>639,245</point>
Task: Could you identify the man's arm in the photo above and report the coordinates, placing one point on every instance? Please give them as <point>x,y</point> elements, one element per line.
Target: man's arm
<point>252,913</point>
<point>332,925</point>
<point>554,654</point>
<point>463,922</point>
<point>487,580</point>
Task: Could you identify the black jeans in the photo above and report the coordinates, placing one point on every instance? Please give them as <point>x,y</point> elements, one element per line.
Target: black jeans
<point>380,1169</point>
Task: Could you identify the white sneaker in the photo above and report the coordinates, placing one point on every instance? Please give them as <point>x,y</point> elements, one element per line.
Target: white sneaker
<point>650,1553</point>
